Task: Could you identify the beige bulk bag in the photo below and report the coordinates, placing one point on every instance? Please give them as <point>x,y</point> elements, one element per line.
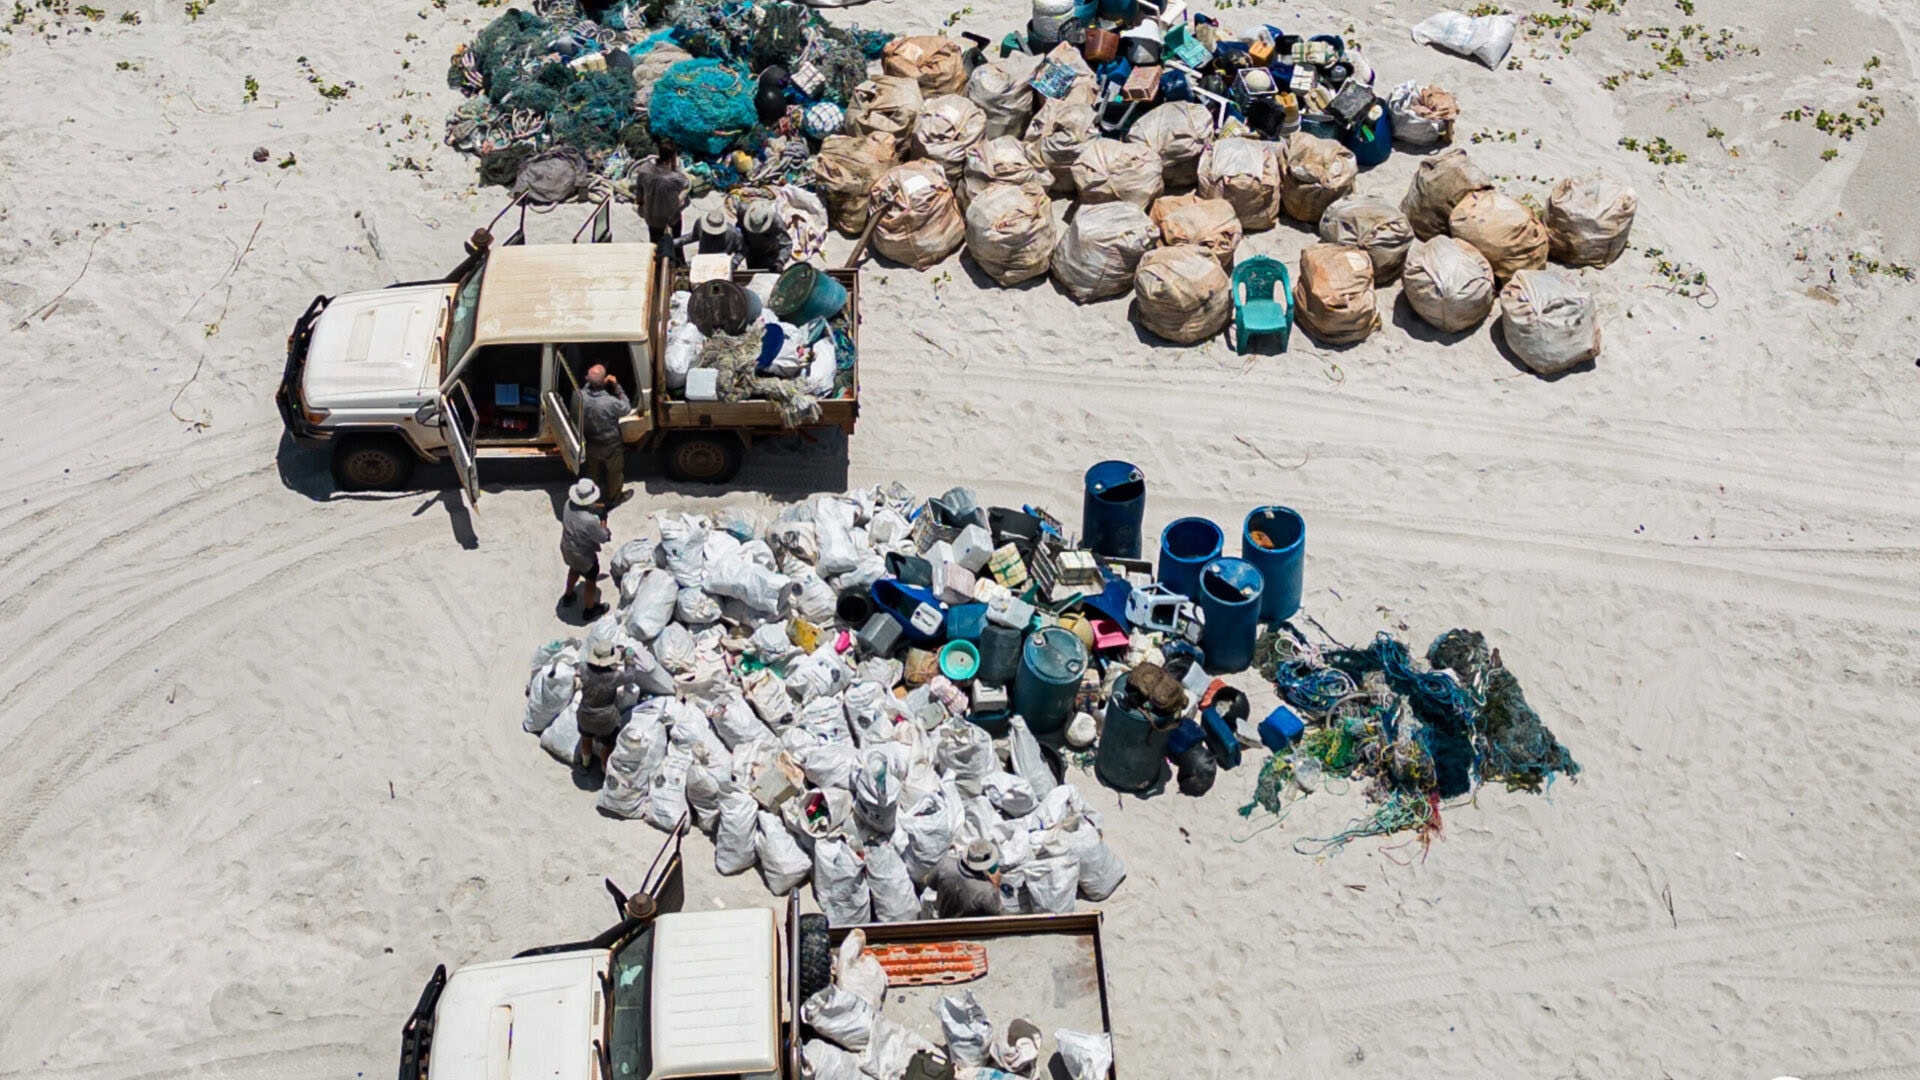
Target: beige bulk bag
<point>1182,294</point>
<point>1504,230</point>
<point>1001,160</point>
<point>1549,320</point>
<point>887,105</point>
<point>1004,91</point>
<point>1374,224</point>
<point>920,221</point>
<point>844,172</point>
<point>1179,132</point>
<point>1101,250</point>
<point>1334,296</point>
<point>1318,173</point>
<point>1246,173</point>
<point>1085,88</point>
<point>1055,137</point>
<point>1109,170</point>
<point>1010,231</point>
<point>935,61</point>
<point>1208,224</point>
<point>1438,185</point>
<point>1588,219</point>
<point>949,125</point>
<point>1448,283</point>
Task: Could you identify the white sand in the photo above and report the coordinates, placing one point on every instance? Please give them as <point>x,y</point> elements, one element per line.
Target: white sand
<point>260,762</point>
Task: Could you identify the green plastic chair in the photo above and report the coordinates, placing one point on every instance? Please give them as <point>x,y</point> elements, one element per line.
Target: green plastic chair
<point>1256,307</point>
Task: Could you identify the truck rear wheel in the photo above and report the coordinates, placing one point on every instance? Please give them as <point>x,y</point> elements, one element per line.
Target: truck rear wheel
<point>371,463</point>
<point>702,459</point>
<point>816,955</point>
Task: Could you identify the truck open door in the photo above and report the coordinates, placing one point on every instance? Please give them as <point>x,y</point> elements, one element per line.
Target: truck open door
<point>558,413</point>
<point>458,422</point>
<point>666,879</point>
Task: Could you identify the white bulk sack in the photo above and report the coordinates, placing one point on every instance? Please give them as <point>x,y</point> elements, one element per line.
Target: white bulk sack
<point>892,1050</point>
<point>1448,283</point>
<point>1108,170</point>
<point>839,1015</point>
<point>840,883</point>
<point>1485,38</point>
<point>1549,321</point>
<point>1179,132</point>
<point>1101,250</point>
<point>561,738</point>
<point>667,794</point>
<point>682,549</point>
<point>1101,871</point>
<point>816,601</point>
<point>1246,173</point>
<point>674,647</point>
<point>1422,115</point>
<point>1004,91</point>
<point>549,691</point>
<point>783,866</point>
<point>636,757</point>
<point>830,765</point>
<point>894,897</point>
<point>1015,1055</point>
<point>1053,882</point>
<point>741,578</point>
<point>948,127</point>
<point>733,836</point>
<point>876,788</point>
<point>1010,232</point>
<point>1588,219</point>
<point>629,555</point>
<point>652,606</point>
<point>695,608</point>
<point>964,1023</point>
<point>859,973</point>
<point>1087,1056</point>
<point>1028,761</point>
<point>928,828</point>
<point>703,795</point>
<point>825,1061</point>
<point>684,343</point>
<point>964,754</point>
<point>1009,794</point>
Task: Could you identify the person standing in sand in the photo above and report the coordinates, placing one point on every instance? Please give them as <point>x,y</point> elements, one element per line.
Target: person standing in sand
<point>582,531</point>
<point>660,193</point>
<point>601,680</point>
<point>602,404</point>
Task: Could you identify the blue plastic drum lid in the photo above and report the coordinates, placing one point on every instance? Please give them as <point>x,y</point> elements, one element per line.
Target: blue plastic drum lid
<point>1051,664</point>
<point>1282,559</point>
<point>1187,545</point>
<point>1230,591</point>
<point>1112,505</point>
<point>1056,655</point>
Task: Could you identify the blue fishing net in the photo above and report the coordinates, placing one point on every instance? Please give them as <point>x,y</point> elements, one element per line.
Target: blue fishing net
<point>703,105</point>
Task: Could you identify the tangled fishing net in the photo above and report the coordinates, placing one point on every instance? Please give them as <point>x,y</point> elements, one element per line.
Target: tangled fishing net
<point>1412,736</point>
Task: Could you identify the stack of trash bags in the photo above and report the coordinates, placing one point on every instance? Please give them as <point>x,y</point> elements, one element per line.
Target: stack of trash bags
<point>853,1038</point>
<point>828,696</point>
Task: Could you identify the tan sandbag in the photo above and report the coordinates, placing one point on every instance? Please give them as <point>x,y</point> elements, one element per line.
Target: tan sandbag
<point>996,161</point>
<point>844,172</point>
<point>1334,296</point>
<point>1246,173</point>
<point>1374,224</point>
<point>1010,231</point>
<point>1004,91</point>
<point>1208,224</point>
<point>937,62</point>
<point>1109,170</point>
<point>1549,320</point>
<point>1588,219</point>
<point>1182,294</point>
<point>1055,137</point>
<point>887,105</point>
<point>1448,283</point>
<point>1438,185</point>
<point>920,221</point>
<point>1179,132</point>
<point>1318,173</point>
<point>948,127</point>
<point>1504,230</point>
<point>1101,250</point>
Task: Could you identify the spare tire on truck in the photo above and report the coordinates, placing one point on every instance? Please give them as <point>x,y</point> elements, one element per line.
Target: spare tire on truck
<point>816,955</point>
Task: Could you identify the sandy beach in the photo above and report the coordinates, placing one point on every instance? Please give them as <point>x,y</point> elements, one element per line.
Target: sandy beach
<point>261,765</point>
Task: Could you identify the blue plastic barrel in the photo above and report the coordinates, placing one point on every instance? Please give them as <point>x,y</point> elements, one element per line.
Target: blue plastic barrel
<point>1282,559</point>
<point>804,293</point>
<point>1132,753</point>
<point>1230,599</point>
<point>1370,146</point>
<point>1051,664</point>
<point>1114,500</point>
<point>1187,545</point>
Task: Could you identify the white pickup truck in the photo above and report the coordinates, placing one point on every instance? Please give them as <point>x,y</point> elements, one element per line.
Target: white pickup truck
<point>667,994</point>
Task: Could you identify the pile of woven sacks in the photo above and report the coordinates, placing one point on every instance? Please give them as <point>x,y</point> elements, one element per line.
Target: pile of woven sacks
<point>748,705</point>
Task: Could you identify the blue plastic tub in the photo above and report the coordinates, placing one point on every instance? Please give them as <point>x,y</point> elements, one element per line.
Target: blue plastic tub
<point>1282,561</point>
<point>1051,664</point>
<point>1281,729</point>
<point>1230,599</point>
<point>1187,545</point>
<point>1368,152</point>
<point>1112,503</point>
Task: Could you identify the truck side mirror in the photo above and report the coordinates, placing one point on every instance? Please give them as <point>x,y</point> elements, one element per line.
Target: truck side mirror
<point>428,415</point>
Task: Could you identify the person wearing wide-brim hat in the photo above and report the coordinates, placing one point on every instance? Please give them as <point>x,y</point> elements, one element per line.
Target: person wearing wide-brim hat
<point>966,883</point>
<point>582,531</point>
<point>763,241</point>
<point>598,715</point>
<point>716,234</point>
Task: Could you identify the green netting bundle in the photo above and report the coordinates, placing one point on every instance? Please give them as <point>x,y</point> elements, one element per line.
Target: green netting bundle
<point>593,111</point>
<point>1520,751</point>
<point>703,106</point>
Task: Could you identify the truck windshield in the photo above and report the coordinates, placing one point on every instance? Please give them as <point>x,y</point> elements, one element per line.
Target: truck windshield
<point>627,1042</point>
<point>466,301</point>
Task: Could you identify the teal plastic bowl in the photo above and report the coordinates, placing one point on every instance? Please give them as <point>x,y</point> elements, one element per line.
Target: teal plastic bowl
<point>959,660</point>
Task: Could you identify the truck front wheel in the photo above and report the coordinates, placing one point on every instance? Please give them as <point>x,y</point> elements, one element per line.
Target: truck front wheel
<point>371,463</point>
<point>816,955</point>
<point>702,459</point>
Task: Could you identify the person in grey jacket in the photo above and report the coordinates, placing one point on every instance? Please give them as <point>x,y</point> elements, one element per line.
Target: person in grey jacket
<point>602,404</point>
<point>582,531</point>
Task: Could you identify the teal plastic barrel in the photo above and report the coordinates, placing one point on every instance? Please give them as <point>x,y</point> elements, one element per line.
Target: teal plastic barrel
<point>1187,545</point>
<point>1132,753</point>
<point>805,293</point>
<point>1051,664</point>
<point>1229,597</point>
<point>1274,539</point>
<point>1111,506</point>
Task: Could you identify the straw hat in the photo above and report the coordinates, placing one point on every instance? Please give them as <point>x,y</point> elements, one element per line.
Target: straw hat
<point>979,857</point>
<point>759,217</point>
<point>715,223</point>
<point>584,493</point>
<point>601,654</point>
